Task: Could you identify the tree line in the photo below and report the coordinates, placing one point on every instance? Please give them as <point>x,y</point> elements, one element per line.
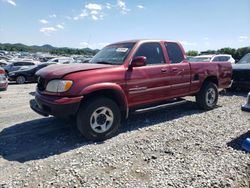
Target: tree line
<point>237,54</point>
<point>47,49</point>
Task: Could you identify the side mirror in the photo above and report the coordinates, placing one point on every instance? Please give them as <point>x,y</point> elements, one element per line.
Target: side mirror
<point>138,61</point>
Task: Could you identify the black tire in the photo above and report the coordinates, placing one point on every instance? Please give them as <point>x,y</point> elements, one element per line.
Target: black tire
<point>20,79</point>
<point>205,99</point>
<point>86,119</point>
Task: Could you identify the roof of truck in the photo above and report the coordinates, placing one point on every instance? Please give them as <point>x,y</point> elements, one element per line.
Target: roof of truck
<point>144,40</point>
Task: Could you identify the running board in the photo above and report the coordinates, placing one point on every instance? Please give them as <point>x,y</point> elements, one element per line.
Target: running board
<point>166,105</point>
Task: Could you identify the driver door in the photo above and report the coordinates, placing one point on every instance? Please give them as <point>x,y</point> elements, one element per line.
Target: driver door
<point>147,84</point>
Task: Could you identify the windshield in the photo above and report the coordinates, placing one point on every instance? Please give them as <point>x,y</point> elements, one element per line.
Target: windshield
<point>245,59</point>
<point>114,54</point>
<point>200,59</point>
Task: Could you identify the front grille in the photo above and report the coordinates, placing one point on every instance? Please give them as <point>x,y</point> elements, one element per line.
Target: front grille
<point>241,75</point>
<point>41,84</point>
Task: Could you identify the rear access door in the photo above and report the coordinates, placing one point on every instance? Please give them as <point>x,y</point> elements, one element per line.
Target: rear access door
<point>179,70</point>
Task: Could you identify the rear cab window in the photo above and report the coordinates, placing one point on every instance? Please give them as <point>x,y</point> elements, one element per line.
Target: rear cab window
<point>175,53</point>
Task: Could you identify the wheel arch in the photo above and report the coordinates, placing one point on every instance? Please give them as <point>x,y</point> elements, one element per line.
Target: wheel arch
<point>111,91</point>
<point>212,79</point>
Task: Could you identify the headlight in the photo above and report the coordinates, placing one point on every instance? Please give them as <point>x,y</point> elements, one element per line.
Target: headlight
<point>58,86</point>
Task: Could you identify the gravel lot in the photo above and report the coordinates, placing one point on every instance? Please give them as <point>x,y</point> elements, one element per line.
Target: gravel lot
<point>178,147</point>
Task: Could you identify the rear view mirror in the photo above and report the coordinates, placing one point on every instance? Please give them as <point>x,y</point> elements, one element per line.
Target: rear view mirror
<point>138,61</point>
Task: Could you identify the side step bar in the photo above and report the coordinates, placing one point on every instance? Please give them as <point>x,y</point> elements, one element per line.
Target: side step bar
<point>166,105</point>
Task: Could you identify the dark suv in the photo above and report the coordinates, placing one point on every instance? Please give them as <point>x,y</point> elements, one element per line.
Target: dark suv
<point>241,73</point>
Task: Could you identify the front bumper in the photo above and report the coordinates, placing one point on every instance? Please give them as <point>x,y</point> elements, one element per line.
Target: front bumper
<point>246,107</point>
<point>56,106</point>
<point>3,84</point>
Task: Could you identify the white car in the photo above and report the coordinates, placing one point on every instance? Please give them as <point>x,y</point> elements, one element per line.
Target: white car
<point>61,60</point>
<point>246,107</point>
<point>212,58</point>
<point>3,63</point>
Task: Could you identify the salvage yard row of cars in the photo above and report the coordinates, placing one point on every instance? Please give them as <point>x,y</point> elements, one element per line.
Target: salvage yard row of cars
<point>23,70</point>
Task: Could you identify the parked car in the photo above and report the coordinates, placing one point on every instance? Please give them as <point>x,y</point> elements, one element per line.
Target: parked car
<point>214,58</point>
<point>26,75</point>
<point>246,107</point>
<point>3,80</point>
<point>124,78</point>
<point>17,65</point>
<point>241,73</point>
<point>82,60</point>
<point>45,59</point>
<point>189,58</point>
<point>61,60</point>
<point>3,63</point>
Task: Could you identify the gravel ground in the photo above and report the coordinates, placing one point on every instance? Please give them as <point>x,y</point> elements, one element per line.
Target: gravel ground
<point>178,147</point>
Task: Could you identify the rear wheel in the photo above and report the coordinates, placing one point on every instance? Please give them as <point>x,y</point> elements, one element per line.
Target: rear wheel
<point>207,98</point>
<point>99,119</point>
<point>20,80</point>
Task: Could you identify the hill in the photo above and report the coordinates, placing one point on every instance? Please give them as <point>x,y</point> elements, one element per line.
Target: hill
<point>46,48</point>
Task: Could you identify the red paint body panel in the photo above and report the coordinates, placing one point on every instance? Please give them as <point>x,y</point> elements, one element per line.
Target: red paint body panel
<point>140,85</point>
<point>57,71</point>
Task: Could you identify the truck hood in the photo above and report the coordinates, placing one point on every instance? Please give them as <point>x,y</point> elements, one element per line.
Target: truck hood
<point>60,70</point>
<point>241,66</point>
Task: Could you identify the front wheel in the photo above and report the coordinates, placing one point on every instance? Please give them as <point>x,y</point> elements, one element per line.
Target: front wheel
<point>20,80</point>
<point>99,119</point>
<point>207,98</point>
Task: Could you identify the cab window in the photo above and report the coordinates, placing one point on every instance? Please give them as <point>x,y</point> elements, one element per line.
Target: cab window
<point>152,51</point>
<point>217,58</point>
<point>174,52</point>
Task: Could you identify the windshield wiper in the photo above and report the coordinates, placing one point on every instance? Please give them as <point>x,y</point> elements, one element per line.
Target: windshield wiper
<point>104,62</point>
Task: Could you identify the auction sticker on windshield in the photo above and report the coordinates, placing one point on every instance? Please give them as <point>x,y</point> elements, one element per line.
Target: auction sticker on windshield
<point>122,50</point>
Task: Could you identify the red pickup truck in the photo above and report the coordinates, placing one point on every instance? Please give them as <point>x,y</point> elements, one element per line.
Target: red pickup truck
<point>123,78</point>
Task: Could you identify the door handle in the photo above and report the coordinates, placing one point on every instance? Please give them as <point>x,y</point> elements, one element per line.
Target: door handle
<point>177,70</point>
<point>163,70</point>
<point>174,69</point>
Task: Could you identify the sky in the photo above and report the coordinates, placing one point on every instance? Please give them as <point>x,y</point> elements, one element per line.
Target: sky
<point>198,24</point>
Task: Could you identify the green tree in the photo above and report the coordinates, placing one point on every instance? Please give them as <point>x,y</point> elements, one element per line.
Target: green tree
<point>192,53</point>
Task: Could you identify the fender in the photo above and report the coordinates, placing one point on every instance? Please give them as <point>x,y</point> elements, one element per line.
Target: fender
<point>107,86</point>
